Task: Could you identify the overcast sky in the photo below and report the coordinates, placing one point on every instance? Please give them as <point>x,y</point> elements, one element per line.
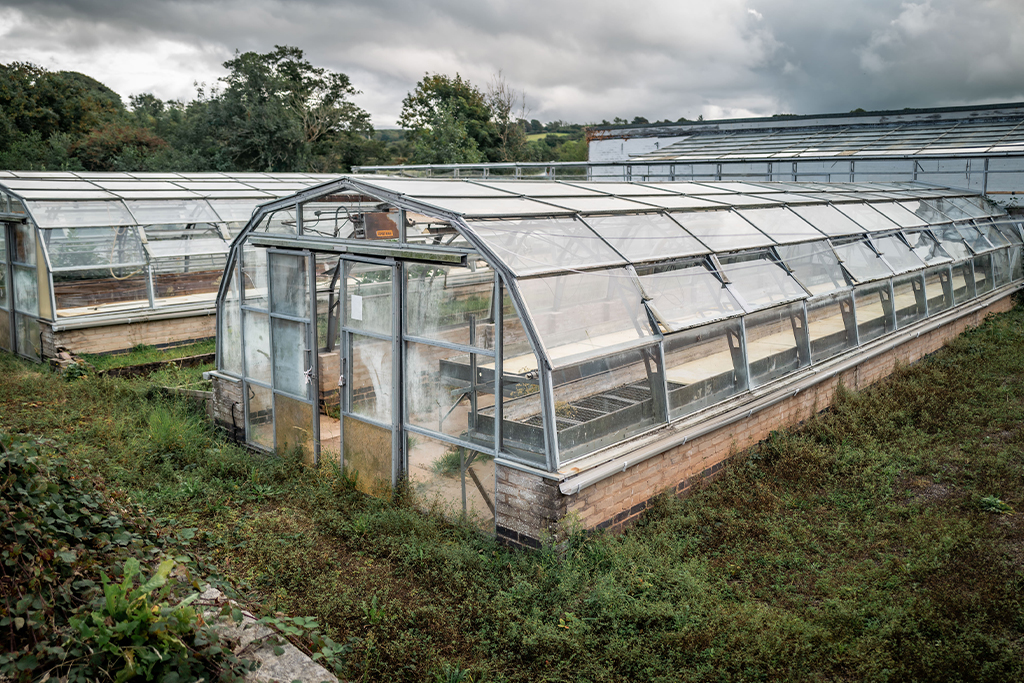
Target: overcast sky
<point>576,60</point>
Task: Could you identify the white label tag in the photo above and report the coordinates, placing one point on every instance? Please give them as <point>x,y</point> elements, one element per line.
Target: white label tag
<point>357,307</point>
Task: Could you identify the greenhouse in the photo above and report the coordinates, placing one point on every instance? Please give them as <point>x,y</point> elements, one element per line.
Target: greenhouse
<point>498,348</point>
<point>101,261</point>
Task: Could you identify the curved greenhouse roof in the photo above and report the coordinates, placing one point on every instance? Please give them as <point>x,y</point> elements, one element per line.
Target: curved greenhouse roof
<point>546,324</point>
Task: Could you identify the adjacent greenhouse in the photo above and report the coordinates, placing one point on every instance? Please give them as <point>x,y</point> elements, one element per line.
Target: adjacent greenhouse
<point>113,251</point>
<point>491,344</point>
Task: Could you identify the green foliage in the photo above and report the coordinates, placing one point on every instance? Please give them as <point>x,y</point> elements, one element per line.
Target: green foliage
<point>994,505</point>
<point>452,112</point>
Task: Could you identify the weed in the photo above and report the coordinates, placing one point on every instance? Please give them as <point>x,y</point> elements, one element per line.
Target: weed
<point>994,505</point>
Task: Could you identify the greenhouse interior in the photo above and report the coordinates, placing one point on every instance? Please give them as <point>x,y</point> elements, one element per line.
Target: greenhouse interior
<point>435,335</point>
<point>87,251</point>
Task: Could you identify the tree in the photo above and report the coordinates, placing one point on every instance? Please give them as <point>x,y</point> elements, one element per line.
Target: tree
<point>278,111</point>
<point>445,139</point>
<point>508,111</point>
<point>438,98</point>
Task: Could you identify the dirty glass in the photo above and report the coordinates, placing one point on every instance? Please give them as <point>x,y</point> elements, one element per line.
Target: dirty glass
<point>582,315</point>
<point>172,211</point>
<point>450,303</point>
<point>5,330</point>
<point>446,390</point>
<point>84,247</point>
<point>229,326</point>
<point>984,277</point>
<point>909,299</point>
<point>963,281</point>
<point>366,456</point>
<point>988,229</point>
<point>522,424</point>
<point>925,211</point>
<point>973,237</point>
<point>371,379</point>
<point>777,342</point>
<point>951,241</point>
<point>927,247</point>
<point>23,248</point>
<point>759,282</point>
<point>686,294</point>
<point>530,246</point>
<point>781,224</point>
<point>646,237</point>
<point>26,290</point>
<point>255,290</point>
<point>607,399</point>
<point>861,262</point>
<point>191,278</point>
<point>289,285</point>
<point>722,231</point>
<point>831,326</point>
<point>457,482</point>
<point>259,416</point>
<point>874,311</point>
<point>814,265</point>
<point>257,345</point>
<point>867,217</point>
<point>938,286</point>
<point>1001,267</point>
<point>26,328</point>
<point>897,254</point>
<point>69,214</point>
<point>828,220</point>
<point>703,366</point>
<point>899,214</point>
<point>368,291</point>
<point>293,426</point>
<point>281,221</point>
<point>292,357</point>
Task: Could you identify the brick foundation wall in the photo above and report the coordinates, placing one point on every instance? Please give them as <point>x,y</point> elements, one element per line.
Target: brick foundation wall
<point>122,337</point>
<point>227,409</point>
<point>530,507</point>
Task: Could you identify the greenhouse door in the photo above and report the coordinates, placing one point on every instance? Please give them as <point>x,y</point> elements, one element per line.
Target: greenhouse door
<point>293,362</point>
<point>371,415</point>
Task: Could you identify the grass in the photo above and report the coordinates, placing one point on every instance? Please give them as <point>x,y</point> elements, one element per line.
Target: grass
<point>877,542</point>
<point>149,354</point>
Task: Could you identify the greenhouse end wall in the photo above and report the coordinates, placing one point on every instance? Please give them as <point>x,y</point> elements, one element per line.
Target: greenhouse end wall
<point>531,508</point>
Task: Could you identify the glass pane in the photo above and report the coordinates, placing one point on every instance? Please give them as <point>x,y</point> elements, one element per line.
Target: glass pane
<point>776,342</point>
<point>259,419</point>
<point>69,214</point>
<point>1001,267</point>
<point>293,426</point>
<point>23,249</point>
<point>187,279</point>
<point>951,241</point>
<point>27,330</point>
<point>446,390</point>
<point>899,214</point>
<point>3,243</point>
<point>291,357</point>
<point>366,456</point>
<point>814,265</point>
<point>450,304</point>
<point>346,215</point>
<point>229,327</point>
<point>861,262</point>
<point>874,311</point>
<point>368,292</point>
<point>866,216</point>
<point>85,292</point>
<point>442,476</point>
<point>289,285</point>
<point>1016,269</point>
<point>535,246</point>
<point>828,220</point>
<point>5,301</point>
<point>522,429</point>
<point>927,248</point>
<point>606,400</point>
<point>781,224</point>
<point>255,277</point>
<point>583,315</point>
<point>257,346</point>
<point>831,325</point>
<point>760,283</point>
<point>994,236</point>
<point>686,295</point>
<point>234,210</point>
<point>704,366</point>
<point>973,237</point>
<point>897,254</point>
<point>646,237</point>
<point>938,287</point>
<point>909,299</point>
<point>281,222</point>
<point>1011,231</point>
<point>984,278</point>
<point>187,246</point>
<point>26,290</point>
<point>925,211</point>
<point>371,379</point>
<point>172,211</point>
<point>963,282</point>
<point>722,231</point>
<point>326,270</point>
<point>78,247</point>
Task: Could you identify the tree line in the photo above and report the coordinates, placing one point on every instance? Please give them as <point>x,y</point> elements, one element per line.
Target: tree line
<point>272,112</point>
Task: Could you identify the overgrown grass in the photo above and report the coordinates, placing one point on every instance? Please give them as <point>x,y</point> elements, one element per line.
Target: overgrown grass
<point>868,545</point>
<point>149,354</point>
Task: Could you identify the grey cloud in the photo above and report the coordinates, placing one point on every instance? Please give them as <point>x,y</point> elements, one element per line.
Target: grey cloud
<point>576,60</point>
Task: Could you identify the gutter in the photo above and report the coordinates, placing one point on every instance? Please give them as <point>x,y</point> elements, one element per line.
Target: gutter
<point>574,484</point>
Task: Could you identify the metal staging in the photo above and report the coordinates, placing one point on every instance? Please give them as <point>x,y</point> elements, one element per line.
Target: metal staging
<point>579,314</point>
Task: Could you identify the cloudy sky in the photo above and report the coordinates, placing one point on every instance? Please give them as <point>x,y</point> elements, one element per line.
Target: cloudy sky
<point>576,60</point>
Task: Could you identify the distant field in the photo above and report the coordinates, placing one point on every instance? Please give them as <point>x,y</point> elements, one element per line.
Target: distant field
<point>537,136</point>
